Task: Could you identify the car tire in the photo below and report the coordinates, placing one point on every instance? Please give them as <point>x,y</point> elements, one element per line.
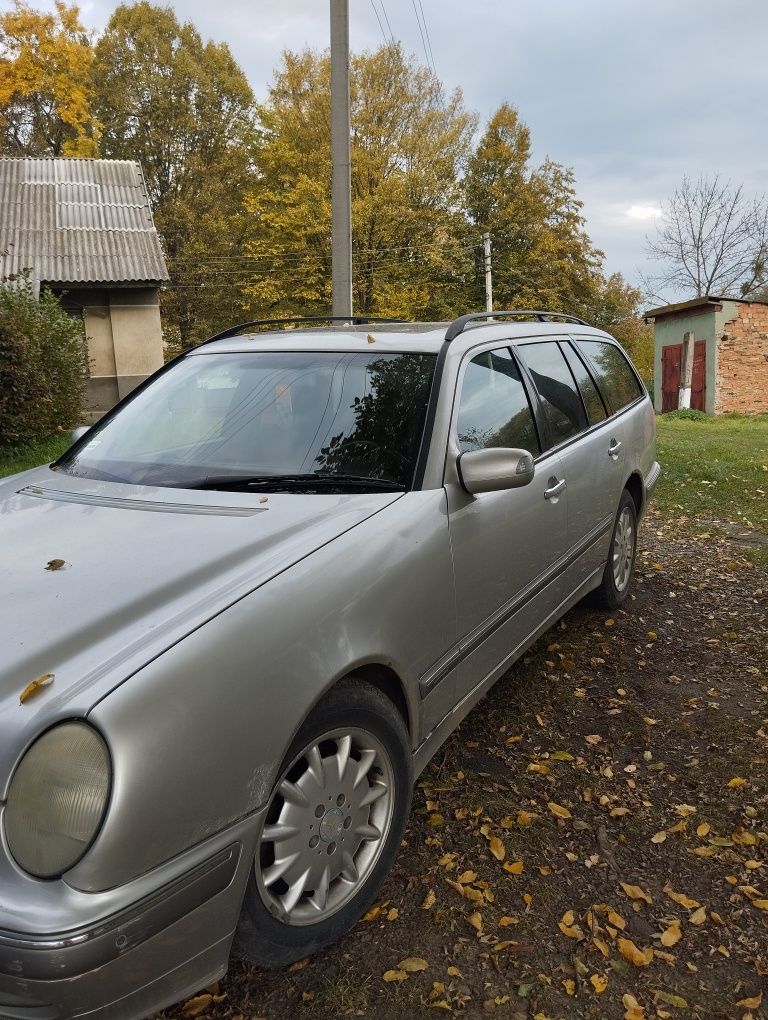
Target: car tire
<point>352,766</point>
<point>620,564</point>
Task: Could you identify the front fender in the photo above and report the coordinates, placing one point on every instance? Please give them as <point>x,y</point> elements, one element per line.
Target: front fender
<point>197,735</point>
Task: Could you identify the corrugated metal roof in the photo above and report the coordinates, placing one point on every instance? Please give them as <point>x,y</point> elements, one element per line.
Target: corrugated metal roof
<point>78,221</point>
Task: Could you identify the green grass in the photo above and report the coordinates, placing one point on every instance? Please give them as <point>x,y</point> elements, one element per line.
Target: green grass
<point>33,455</point>
<point>714,467</point>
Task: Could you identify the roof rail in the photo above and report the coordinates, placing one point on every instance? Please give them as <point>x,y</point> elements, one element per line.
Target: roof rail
<point>457,326</point>
<point>353,320</point>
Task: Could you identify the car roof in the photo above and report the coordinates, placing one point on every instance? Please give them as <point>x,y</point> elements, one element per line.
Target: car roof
<point>413,337</point>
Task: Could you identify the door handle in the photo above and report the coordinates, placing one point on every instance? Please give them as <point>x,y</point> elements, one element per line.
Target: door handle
<point>554,491</point>
<point>614,449</point>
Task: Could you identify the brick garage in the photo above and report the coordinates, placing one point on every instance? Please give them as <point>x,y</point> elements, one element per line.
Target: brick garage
<point>742,362</point>
<point>731,354</point>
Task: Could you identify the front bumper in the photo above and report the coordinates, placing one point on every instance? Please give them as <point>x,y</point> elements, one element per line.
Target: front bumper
<point>127,965</point>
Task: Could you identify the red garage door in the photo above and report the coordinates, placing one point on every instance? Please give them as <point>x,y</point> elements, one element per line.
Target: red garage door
<point>671,361</point>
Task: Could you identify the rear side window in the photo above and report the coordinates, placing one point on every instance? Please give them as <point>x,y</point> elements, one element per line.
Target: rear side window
<point>592,401</point>
<point>614,374</point>
<point>494,409</point>
<point>559,396</point>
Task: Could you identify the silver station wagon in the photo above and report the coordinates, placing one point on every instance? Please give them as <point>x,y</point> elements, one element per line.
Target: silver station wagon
<point>241,613</point>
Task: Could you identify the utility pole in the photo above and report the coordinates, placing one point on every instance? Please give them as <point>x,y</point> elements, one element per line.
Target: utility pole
<point>341,181</point>
<point>488,273</point>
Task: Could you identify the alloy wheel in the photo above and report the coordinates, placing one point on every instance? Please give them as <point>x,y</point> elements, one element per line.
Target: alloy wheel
<point>623,549</point>
<point>325,827</point>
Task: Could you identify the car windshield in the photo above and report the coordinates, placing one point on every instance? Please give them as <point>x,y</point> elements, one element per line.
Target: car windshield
<point>300,421</point>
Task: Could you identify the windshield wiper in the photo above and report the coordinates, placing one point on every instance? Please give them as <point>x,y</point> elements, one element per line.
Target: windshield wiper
<point>308,480</point>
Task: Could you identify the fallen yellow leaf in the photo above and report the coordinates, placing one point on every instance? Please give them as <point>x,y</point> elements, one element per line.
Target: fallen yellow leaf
<point>698,916</point>
<point>412,964</point>
<point>703,829</point>
<point>635,892</point>
<point>638,957</point>
<point>736,782</point>
<point>752,1003</point>
<point>571,931</point>
<point>671,1000</point>
<point>525,817</point>
<point>392,914</point>
<point>454,972</point>
<point>476,920</point>
<point>435,819</point>
<point>497,848</point>
<point>760,904</point>
<point>395,975</point>
<point>466,877</point>
<point>514,867</point>
<point>659,837</point>
<point>599,983</point>
<point>616,920</point>
<point>672,935</point>
<point>681,898</point>
<point>429,900</point>
<point>559,810</point>
<point>34,688</point>
<point>570,986</point>
<point>194,1007</point>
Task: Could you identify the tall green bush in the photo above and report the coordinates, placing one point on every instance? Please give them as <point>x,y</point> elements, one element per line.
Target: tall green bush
<point>43,366</point>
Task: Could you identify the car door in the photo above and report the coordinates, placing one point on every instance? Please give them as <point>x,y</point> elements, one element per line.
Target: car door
<point>505,543</point>
<point>588,443</point>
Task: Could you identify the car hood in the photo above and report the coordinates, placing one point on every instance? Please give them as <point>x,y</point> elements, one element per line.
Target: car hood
<point>97,578</point>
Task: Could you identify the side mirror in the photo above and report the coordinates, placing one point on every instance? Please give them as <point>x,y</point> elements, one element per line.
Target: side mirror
<point>495,469</point>
<point>78,433</point>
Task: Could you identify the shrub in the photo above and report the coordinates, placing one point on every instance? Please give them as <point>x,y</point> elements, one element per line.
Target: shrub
<point>43,366</point>
<point>687,414</point>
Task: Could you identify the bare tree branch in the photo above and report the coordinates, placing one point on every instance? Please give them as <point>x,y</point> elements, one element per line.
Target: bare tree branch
<point>713,239</point>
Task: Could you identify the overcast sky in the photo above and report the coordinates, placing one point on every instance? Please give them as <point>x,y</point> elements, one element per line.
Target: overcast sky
<point>632,94</point>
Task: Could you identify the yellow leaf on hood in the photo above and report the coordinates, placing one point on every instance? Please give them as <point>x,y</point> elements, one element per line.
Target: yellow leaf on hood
<point>559,810</point>
<point>638,957</point>
<point>635,892</point>
<point>412,964</point>
<point>34,688</point>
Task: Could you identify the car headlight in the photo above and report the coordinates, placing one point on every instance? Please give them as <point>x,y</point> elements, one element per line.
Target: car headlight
<point>57,799</point>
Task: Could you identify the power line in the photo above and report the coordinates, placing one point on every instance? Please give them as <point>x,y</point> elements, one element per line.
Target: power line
<point>423,37</point>
<point>429,41</point>
<point>389,27</point>
<point>381,26</point>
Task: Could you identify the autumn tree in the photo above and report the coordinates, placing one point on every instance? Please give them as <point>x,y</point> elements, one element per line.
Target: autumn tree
<point>542,255</point>
<point>45,83</point>
<point>184,109</point>
<point>409,143</point>
<point>712,239</point>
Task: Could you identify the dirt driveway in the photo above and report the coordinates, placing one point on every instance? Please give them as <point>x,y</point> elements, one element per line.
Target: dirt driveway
<point>593,841</point>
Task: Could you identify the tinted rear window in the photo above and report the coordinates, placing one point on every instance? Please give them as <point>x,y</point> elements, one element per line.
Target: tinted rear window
<point>614,374</point>
<point>559,396</point>
<point>592,400</point>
